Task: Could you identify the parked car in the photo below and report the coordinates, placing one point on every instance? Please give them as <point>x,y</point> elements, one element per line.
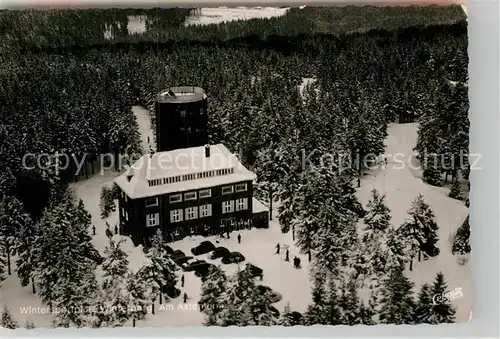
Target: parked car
<point>191,264</point>
<point>168,249</point>
<point>203,270</point>
<point>233,257</point>
<point>171,291</point>
<point>274,296</point>
<point>219,252</point>
<point>202,248</point>
<point>181,260</point>
<point>255,271</point>
<point>178,253</point>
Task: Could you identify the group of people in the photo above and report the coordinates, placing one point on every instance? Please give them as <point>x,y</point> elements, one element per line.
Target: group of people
<point>296,260</point>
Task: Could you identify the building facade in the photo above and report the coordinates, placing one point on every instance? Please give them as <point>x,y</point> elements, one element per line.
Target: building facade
<point>192,191</point>
<point>181,118</point>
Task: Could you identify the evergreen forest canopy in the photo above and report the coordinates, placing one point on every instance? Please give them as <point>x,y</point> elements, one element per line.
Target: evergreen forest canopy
<point>66,88</point>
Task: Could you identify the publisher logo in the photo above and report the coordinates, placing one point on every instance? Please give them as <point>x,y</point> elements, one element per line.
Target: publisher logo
<point>447,296</point>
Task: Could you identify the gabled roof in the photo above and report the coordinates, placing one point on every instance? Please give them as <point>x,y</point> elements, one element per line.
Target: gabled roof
<point>187,161</point>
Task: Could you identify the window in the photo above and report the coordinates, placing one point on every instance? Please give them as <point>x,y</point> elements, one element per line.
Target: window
<point>205,210</point>
<point>175,215</point>
<point>150,202</point>
<point>190,196</point>
<point>183,114</point>
<point>152,219</point>
<point>227,189</point>
<point>202,111</point>
<point>191,213</point>
<point>126,216</point>
<point>228,206</point>
<point>241,187</point>
<point>205,193</point>
<point>241,204</point>
<point>175,198</point>
<point>123,212</point>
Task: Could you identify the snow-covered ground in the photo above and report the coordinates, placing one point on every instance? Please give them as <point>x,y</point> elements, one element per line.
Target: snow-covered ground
<point>399,183</point>
<point>207,16</point>
<point>144,121</point>
<point>464,7</point>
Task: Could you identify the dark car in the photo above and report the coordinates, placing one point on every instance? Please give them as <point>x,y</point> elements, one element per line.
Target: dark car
<point>191,264</point>
<point>219,252</point>
<point>255,271</point>
<point>203,270</point>
<point>171,291</point>
<point>181,260</point>
<point>274,296</point>
<point>202,248</point>
<point>169,249</point>
<point>233,257</point>
<point>177,253</point>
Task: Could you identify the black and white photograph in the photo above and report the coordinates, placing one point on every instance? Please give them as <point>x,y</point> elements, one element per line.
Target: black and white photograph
<point>235,166</point>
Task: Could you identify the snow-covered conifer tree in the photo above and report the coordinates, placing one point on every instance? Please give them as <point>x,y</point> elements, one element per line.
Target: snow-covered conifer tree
<point>212,291</point>
<point>456,191</point>
<point>107,203</point>
<point>378,217</point>
<point>322,310</point>
<point>461,241</point>
<point>434,306</point>
<point>396,302</point>
<point>161,270</point>
<point>139,298</point>
<point>26,254</point>
<point>7,320</point>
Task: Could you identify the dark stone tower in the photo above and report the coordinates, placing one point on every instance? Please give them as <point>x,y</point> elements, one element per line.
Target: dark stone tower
<point>181,118</point>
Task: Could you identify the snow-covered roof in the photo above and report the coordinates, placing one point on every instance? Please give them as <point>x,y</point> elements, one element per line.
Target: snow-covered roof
<point>258,207</point>
<point>181,94</point>
<point>182,170</point>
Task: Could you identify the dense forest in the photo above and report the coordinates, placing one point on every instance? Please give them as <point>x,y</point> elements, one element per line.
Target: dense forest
<point>67,89</point>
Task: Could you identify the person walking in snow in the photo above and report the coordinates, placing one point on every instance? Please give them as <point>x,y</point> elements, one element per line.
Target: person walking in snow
<point>239,238</point>
<point>109,234</point>
<point>227,232</point>
<point>287,255</point>
<point>93,229</point>
<point>182,281</point>
<point>185,297</point>
<point>359,182</point>
<point>278,248</point>
<point>116,229</point>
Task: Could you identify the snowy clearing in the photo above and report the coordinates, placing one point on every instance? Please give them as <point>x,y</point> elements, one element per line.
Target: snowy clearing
<point>207,16</point>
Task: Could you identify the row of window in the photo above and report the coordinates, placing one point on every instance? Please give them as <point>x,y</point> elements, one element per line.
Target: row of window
<point>183,112</point>
<point>195,212</point>
<point>193,176</point>
<point>207,193</point>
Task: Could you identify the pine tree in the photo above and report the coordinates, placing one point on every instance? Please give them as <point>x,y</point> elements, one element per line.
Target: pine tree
<point>107,204</point>
<point>290,318</point>
<point>235,302</point>
<point>160,271</point>
<point>26,254</point>
<point>348,304</point>
<point>321,311</point>
<point>13,218</point>
<point>212,292</point>
<point>65,276</point>
<point>456,191</point>
<point>396,302</point>
<point>113,301</point>
<point>420,229</point>
<point>424,304</point>
<point>7,319</point>
<point>138,296</point>
<point>441,311</point>
<point>3,259</point>
<point>378,217</point>
<point>461,241</point>
<point>81,223</point>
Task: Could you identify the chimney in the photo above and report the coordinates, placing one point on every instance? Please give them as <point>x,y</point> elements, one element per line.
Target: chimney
<point>207,151</point>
